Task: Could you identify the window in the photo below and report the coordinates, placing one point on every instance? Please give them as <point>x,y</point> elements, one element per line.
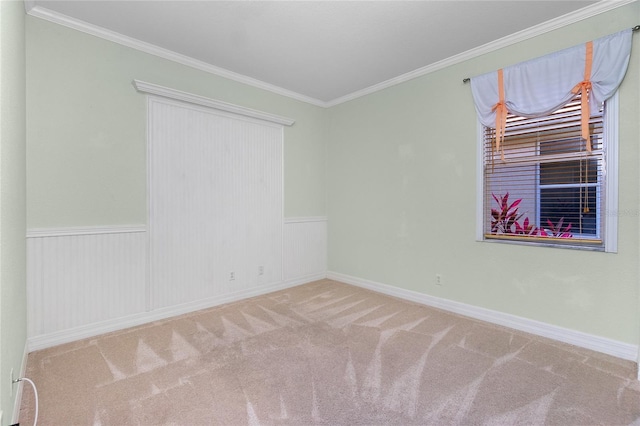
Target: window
<point>544,184</point>
<point>543,187</point>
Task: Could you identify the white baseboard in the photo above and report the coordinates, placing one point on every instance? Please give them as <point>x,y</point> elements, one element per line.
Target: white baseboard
<point>70,335</point>
<point>17,403</point>
<point>304,280</point>
<point>600,344</point>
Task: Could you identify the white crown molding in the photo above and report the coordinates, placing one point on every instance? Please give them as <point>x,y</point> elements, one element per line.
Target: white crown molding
<point>596,343</point>
<point>562,21</point>
<point>85,27</point>
<point>28,5</point>
<point>84,230</point>
<point>545,27</point>
<point>179,95</point>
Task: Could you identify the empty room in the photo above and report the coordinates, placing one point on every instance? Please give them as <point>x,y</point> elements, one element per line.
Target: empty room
<point>324,212</point>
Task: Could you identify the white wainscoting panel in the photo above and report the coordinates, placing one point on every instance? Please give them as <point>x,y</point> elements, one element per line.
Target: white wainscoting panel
<point>305,249</point>
<point>82,282</point>
<point>84,278</point>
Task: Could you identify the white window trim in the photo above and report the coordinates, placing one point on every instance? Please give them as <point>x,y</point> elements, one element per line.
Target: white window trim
<point>611,122</point>
<point>479,181</point>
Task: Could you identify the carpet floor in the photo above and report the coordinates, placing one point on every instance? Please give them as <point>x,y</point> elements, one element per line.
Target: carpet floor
<point>327,353</point>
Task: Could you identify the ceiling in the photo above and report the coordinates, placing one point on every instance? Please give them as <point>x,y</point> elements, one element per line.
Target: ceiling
<point>323,52</point>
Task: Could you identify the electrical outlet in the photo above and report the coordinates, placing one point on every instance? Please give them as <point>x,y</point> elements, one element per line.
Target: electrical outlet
<point>232,276</point>
<point>439,280</point>
<point>260,270</point>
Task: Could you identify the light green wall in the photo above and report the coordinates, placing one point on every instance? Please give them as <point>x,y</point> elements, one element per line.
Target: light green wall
<point>13,299</point>
<point>86,129</point>
<point>397,170</point>
<point>401,185</point>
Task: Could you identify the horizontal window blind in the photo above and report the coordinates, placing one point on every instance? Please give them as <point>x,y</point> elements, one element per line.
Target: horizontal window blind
<point>547,187</point>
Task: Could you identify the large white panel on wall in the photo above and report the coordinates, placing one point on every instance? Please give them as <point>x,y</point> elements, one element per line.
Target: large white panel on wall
<point>78,277</point>
<point>215,203</point>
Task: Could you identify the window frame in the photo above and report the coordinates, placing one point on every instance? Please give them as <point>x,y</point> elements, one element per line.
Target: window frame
<point>610,208</point>
<point>596,185</point>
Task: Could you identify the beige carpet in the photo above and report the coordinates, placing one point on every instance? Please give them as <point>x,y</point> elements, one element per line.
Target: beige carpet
<point>327,353</point>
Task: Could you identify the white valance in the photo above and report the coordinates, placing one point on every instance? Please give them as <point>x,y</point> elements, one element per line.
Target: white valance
<point>541,86</point>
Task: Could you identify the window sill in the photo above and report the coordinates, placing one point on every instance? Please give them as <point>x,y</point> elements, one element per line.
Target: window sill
<point>564,243</point>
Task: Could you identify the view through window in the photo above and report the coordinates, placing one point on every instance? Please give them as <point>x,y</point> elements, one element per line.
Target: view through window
<point>543,185</point>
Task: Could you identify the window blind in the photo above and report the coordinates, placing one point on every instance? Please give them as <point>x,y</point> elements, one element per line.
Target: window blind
<point>548,188</point>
